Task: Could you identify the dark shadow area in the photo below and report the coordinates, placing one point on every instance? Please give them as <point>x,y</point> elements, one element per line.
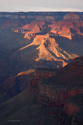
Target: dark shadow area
<point>72,30</point>
<point>29,49</point>
<point>81,29</point>
<point>77,38</point>
<point>45,30</point>
<point>70,46</point>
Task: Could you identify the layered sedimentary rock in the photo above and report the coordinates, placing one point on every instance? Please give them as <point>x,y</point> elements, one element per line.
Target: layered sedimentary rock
<point>62,88</point>
<point>13,85</point>
<point>37,40</point>
<point>55,94</point>
<point>42,74</point>
<point>41,40</point>
<point>49,34</point>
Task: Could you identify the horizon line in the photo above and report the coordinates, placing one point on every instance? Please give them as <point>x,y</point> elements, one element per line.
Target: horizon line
<point>37,11</point>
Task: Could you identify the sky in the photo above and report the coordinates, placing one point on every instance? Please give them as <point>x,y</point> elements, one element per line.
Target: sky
<point>40,5</point>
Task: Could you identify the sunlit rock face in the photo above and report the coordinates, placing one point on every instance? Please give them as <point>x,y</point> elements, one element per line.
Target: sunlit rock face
<point>43,37</point>
<point>29,36</point>
<point>38,40</point>
<point>45,33</point>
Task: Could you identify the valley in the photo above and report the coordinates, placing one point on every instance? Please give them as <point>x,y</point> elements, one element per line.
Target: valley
<point>41,68</point>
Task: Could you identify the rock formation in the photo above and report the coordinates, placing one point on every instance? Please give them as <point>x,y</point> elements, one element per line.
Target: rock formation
<point>62,88</point>
<point>42,32</point>
<point>55,94</point>
<point>34,47</point>
<point>14,85</point>
<point>40,38</point>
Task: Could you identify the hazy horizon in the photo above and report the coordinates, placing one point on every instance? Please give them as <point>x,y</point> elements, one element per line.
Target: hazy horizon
<point>39,6</point>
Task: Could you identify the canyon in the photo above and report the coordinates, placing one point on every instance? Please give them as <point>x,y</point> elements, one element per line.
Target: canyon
<point>47,40</point>
<point>41,68</point>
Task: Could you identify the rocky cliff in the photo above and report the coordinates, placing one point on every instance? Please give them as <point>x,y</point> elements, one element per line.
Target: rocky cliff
<point>15,84</point>
<point>45,41</point>
<point>54,96</point>
<point>47,35</point>
<point>39,40</point>
<point>61,88</point>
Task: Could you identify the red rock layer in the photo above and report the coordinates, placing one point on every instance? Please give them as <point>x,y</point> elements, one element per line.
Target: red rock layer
<point>55,87</point>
